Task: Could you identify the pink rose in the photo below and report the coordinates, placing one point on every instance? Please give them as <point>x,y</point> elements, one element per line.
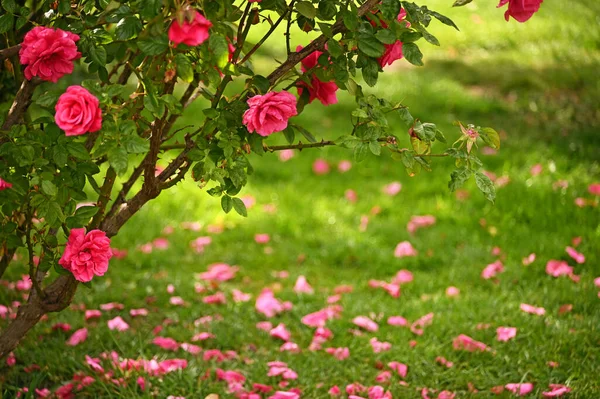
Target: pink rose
<point>392,53</point>
<point>86,255</point>
<point>192,33</point>
<point>4,185</point>
<point>48,53</point>
<point>269,113</point>
<point>78,112</point>
<point>521,10</point>
<point>322,91</point>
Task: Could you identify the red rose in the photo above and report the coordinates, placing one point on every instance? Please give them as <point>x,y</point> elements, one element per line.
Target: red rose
<point>521,10</point>
<point>78,112</point>
<point>48,53</point>
<point>192,33</point>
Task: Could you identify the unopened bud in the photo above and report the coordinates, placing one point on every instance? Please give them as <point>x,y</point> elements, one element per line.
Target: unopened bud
<point>169,75</point>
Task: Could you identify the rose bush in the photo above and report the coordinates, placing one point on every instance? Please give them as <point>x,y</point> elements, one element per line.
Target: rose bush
<point>95,105</point>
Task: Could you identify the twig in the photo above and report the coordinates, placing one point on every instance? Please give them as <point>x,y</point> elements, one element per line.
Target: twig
<point>265,37</point>
<point>287,29</point>
<point>32,274</point>
<point>104,198</point>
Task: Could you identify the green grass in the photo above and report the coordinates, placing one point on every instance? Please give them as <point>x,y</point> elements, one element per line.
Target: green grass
<point>537,83</point>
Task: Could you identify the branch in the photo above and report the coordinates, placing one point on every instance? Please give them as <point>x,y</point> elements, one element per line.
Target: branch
<point>9,52</point>
<point>21,102</point>
<point>104,198</point>
<point>266,36</point>
<point>287,29</point>
<point>122,196</point>
<point>32,274</point>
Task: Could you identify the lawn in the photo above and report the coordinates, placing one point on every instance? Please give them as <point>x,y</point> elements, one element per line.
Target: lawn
<point>536,83</point>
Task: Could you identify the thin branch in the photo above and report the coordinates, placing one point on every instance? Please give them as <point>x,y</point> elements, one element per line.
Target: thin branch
<point>32,273</point>
<point>21,102</point>
<point>265,37</point>
<point>104,198</point>
<point>287,29</point>
<point>122,196</point>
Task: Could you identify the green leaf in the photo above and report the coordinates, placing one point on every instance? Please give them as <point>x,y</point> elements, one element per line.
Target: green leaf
<point>390,9</point>
<point>78,150</point>
<point>486,186</point>
<point>117,158</point>
<point>135,144</point>
<point>240,207</point>
<point>327,10</point>
<point>460,3</point>
<point>64,6</point>
<point>306,9</point>
<point>307,135</point>
<point>458,178</point>
<point>368,44</point>
<point>98,55</point>
<point>370,72</point>
<point>86,212</point>
<point>360,152</point>
<point>289,134</point>
<point>48,99</point>
<point>49,188</point>
<point>6,23</point>
<point>443,19</point>
<point>256,143</point>
<point>226,203</point>
<point>439,136</point>
<point>184,68</point>
<point>350,20</point>
<point>375,147</point>
<point>406,116</point>
<point>9,5</point>
<point>386,36</point>
<point>326,29</point>
<point>154,45</point>
<point>128,27</point>
<point>220,49</point>
<point>412,54</point>
<point>334,48</point>
<point>490,137</point>
<point>261,83</point>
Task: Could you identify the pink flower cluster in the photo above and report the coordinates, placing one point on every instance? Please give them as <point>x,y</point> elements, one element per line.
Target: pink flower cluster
<point>317,89</point>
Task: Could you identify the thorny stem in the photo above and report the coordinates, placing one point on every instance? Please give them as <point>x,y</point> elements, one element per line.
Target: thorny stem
<point>287,29</point>
<point>265,37</point>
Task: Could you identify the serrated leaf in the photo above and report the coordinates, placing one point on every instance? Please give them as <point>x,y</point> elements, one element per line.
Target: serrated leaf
<point>136,145</point>
<point>98,54</point>
<point>368,44</point>
<point>486,186</point>
<point>458,178</point>
<point>375,147</point>
<point>154,45</point>
<point>128,27</point>
<point>117,158</point>
<point>78,150</point>
<point>360,152</point>
<point>220,49</point>
<point>412,54</point>
<point>240,207</point>
<point>49,188</point>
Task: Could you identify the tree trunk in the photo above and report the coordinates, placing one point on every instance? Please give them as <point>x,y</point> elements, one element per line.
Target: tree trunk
<point>58,296</point>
